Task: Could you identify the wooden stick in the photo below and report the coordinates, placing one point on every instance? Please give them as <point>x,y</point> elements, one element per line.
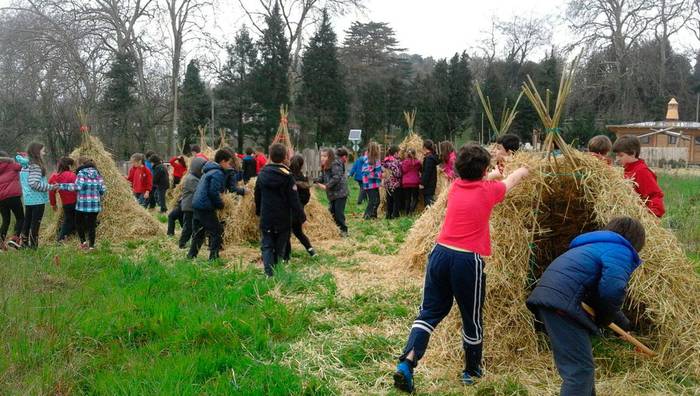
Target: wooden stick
<point>625,335</point>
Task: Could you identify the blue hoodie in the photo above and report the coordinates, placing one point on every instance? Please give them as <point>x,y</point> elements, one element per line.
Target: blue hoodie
<point>356,171</point>
<point>595,269</point>
<point>210,187</point>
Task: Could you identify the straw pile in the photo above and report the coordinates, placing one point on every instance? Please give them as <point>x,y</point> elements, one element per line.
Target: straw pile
<point>412,140</point>
<point>122,218</point>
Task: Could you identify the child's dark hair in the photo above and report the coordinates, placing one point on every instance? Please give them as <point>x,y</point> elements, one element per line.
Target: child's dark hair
<point>65,163</point>
<point>393,150</point>
<point>429,145</point>
<point>341,152</point>
<point>222,156</point>
<point>330,154</point>
<point>86,161</point>
<point>278,153</point>
<point>195,149</point>
<point>509,142</point>
<point>600,144</point>
<point>155,159</point>
<point>630,229</point>
<point>446,148</point>
<point>628,144</point>
<point>296,164</point>
<point>249,151</point>
<point>472,161</point>
<point>149,154</point>
<point>34,154</point>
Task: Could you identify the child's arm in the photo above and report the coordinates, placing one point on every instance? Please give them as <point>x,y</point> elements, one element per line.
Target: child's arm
<point>615,273</point>
<point>258,198</point>
<point>336,176</point>
<point>515,178</point>
<point>294,202</point>
<point>649,189</point>
<point>52,193</point>
<point>34,180</point>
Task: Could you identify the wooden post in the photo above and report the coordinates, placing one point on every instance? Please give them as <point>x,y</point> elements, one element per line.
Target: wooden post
<point>625,335</point>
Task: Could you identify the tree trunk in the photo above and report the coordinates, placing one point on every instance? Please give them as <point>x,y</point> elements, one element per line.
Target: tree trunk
<point>174,87</point>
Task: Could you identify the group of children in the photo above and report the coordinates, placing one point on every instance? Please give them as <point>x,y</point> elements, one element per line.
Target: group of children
<point>595,269</point>
<point>25,189</point>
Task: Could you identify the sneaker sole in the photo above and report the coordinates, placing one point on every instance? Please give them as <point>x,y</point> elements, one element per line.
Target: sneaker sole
<point>401,383</point>
<point>13,244</point>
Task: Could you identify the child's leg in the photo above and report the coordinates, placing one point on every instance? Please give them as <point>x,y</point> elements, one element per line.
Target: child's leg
<point>17,209</point>
<point>162,200</point>
<point>362,196</point>
<point>5,213</point>
<point>35,224</point>
<point>173,217</point>
<point>268,251</point>
<point>339,213</point>
<point>91,228</point>
<point>215,230</point>
<point>572,351</point>
<point>198,235</point>
<point>186,234</point>
<point>469,283</point>
<point>68,222</point>
<point>298,230</point>
<point>81,223</point>
<point>281,242</point>
<point>437,302</point>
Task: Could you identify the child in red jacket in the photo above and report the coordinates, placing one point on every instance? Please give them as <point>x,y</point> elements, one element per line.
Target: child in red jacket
<point>140,178</point>
<point>68,198</point>
<point>179,169</point>
<point>10,200</point>
<point>627,149</point>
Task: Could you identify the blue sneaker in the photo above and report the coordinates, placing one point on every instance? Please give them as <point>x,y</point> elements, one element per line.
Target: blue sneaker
<point>403,377</point>
<point>469,379</point>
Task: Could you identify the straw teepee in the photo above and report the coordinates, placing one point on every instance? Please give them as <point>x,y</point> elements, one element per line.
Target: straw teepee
<point>122,218</point>
<point>412,140</point>
<point>507,115</point>
<point>533,225</point>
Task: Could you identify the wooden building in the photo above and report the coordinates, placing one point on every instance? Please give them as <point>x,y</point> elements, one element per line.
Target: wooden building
<point>666,140</point>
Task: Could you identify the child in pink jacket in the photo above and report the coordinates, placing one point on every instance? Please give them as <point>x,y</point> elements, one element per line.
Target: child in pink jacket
<point>410,180</point>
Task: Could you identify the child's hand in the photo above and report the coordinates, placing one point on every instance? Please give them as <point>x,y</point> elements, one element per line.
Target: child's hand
<point>322,186</point>
<point>54,208</point>
<point>146,194</point>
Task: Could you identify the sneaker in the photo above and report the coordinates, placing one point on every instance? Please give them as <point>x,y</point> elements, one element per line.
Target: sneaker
<point>83,246</point>
<point>403,377</point>
<point>470,379</point>
<point>15,242</point>
<point>91,249</point>
<point>344,234</point>
<point>312,252</point>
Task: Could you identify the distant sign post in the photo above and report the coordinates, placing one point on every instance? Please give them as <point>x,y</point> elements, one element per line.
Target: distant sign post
<point>355,137</point>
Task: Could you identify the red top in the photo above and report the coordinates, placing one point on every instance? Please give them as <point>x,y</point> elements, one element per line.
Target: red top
<point>410,168</point>
<point>646,187</point>
<point>260,162</point>
<point>179,170</point>
<point>449,167</point>
<point>67,197</point>
<point>141,179</point>
<point>469,206</point>
<point>9,179</point>
<point>200,155</point>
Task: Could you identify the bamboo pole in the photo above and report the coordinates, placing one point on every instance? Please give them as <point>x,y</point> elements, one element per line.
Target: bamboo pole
<point>625,335</point>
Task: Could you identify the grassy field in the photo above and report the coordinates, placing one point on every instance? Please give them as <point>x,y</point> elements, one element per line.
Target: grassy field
<point>136,318</point>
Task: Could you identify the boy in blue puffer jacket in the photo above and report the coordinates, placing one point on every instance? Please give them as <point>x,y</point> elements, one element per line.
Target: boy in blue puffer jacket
<point>595,270</point>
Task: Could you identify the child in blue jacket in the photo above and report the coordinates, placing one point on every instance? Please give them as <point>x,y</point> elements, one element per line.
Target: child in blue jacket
<point>356,173</point>
<point>595,270</point>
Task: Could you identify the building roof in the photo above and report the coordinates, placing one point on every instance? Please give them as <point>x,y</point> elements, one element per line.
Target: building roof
<point>658,125</point>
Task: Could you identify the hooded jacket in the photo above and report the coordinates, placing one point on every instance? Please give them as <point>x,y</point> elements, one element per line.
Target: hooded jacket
<point>67,197</point>
<point>190,182</point>
<point>9,179</point>
<point>90,187</point>
<point>410,173</point>
<point>161,178</point>
<point>276,198</point>
<point>429,176</point>
<point>250,168</point>
<point>646,186</point>
<point>595,269</point>
<point>141,179</point>
<point>335,180</point>
<point>210,187</point>
<point>35,187</point>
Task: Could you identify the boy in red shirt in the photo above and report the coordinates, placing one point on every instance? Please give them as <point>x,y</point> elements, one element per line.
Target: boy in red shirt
<point>179,169</point>
<point>68,198</point>
<point>140,178</point>
<point>456,267</point>
<point>260,161</point>
<point>627,149</point>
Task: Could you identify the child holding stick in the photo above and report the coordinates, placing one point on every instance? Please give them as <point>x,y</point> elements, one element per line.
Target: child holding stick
<point>598,266</point>
<point>455,268</point>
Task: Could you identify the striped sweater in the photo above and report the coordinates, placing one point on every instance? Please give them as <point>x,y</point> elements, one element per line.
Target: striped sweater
<point>35,187</point>
<point>90,187</point>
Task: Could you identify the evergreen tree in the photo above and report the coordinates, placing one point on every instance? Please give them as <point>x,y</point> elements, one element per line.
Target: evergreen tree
<point>235,90</point>
<point>459,98</point>
<point>271,79</point>
<point>195,105</point>
<point>323,97</point>
<point>120,99</point>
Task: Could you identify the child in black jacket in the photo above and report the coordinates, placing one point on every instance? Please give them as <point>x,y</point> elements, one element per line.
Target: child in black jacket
<point>429,176</point>
<point>303,189</point>
<point>161,182</point>
<point>277,203</point>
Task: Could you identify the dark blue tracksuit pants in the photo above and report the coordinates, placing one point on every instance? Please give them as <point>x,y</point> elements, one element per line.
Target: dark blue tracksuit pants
<point>573,355</point>
<point>451,274</point>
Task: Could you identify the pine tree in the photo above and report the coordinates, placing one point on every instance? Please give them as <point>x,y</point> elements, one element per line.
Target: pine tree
<point>459,101</point>
<point>323,98</point>
<point>120,99</point>
<point>271,79</point>
<point>195,105</point>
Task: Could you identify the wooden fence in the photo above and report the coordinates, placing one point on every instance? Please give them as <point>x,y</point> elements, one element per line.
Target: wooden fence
<point>656,155</point>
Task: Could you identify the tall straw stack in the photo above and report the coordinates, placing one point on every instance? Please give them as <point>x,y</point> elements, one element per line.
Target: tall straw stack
<point>507,115</point>
<point>412,140</point>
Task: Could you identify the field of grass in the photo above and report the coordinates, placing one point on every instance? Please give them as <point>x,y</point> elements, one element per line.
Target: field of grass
<point>137,318</point>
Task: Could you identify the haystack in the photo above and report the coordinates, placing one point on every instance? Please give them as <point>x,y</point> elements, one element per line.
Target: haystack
<point>563,197</point>
<point>122,218</point>
<point>412,140</point>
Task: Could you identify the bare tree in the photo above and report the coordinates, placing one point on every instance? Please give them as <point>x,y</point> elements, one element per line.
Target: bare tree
<point>694,23</point>
<point>673,15</point>
<point>524,35</point>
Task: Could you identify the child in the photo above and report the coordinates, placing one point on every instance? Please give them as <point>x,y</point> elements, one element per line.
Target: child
<point>335,183</point>
<point>161,182</point>
<point>295,166</point>
<point>276,203</point>
<point>447,159</point>
<point>392,184</point>
<point>429,177</point>
<point>179,169</point>
<point>206,201</point>
<point>597,265</point>
<point>456,267</point>
<point>627,149</point>
<point>410,180</point>
<point>189,187</point>
<point>356,173</point>
<point>91,188</point>
<point>249,165</point>
<point>140,178</point>
<point>260,161</point>
<point>599,146</point>
<point>35,190</point>
<point>152,198</point>
<point>10,200</point>
<point>68,198</point>
<point>372,179</point>
<point>506,145</point>
<point>197,152</point>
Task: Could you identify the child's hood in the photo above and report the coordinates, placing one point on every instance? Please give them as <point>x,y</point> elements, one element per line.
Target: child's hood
<point>606,237</point>
<point>89,171</point>
<point>211,166</point>
<point>275,175</point>
<point>196,166</point>
<point>22,160</point>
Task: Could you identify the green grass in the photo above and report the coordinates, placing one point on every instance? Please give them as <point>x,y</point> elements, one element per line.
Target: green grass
<point>682,199</point>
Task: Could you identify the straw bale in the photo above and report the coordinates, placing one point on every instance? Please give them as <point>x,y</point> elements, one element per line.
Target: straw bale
<point>122,218</point>
<point>663,292</point>
<point>414,141</point>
